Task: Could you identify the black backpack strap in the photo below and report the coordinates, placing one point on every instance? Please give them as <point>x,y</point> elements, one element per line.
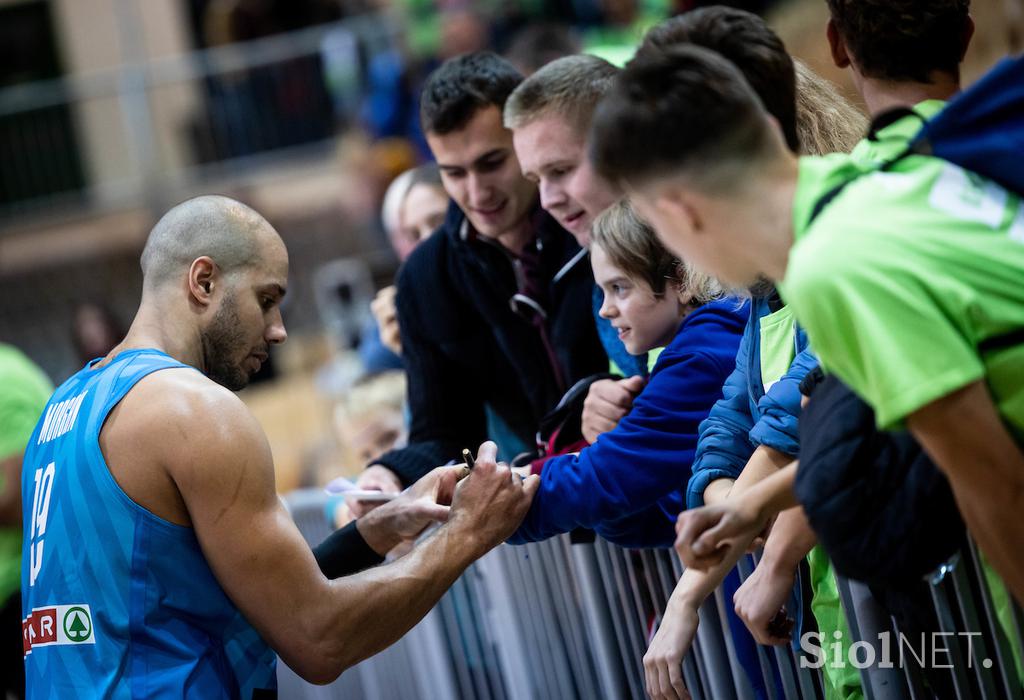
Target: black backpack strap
<point>887,118</point>
<point>570,401</point>
<point>890,117</point>
<point>1001,342</point>
<point>826,199</point>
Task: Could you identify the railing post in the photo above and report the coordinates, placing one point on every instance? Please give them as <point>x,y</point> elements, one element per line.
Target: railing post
<point>867,622</point>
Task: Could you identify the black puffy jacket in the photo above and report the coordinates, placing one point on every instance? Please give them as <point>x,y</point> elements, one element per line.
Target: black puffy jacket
<point>880,507</point>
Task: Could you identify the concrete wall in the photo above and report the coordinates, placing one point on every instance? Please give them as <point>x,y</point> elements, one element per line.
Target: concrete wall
<point>102,37</point>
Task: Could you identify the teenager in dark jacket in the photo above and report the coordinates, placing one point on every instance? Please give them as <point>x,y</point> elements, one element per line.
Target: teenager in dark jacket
<point>628,486</point>
<point>494,308</point>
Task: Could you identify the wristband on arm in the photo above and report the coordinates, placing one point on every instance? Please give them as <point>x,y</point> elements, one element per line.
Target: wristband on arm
<point>345,552</point>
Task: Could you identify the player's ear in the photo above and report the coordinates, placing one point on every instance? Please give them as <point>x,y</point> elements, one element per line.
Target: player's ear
<point>203,280</point>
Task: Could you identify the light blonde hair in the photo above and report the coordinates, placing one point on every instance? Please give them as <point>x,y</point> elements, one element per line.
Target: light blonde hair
<point>570,87</point>
<point>632,246</point>
<point>825,120</point>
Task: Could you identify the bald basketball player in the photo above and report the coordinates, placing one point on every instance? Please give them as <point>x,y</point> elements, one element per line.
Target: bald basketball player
<point>159,561</point>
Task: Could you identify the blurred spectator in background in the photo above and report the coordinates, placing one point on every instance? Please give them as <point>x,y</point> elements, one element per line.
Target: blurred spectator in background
<point>26,391</point>
<point>678,7</point>
<point>414,207</point>
<point>417,209</point>
<point>94,330</point>
<point>537,45</point>
<point>395,77</point>
<point>368,421</point>
<point>625,23</point>
<point>463,30</point>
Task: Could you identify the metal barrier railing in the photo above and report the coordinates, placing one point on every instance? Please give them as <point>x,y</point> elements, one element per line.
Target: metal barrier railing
<point>571,618</point>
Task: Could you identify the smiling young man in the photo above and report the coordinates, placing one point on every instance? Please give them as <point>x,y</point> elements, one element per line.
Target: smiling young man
<point>494,309</point>
<point>913,305</point>
<point>549,116</point>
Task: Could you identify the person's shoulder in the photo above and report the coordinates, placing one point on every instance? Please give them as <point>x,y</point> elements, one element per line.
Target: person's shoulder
<point>812,263</point>
<point>726,315</point>
<point>818,178</point>
<point>192,411</point>
<point>835,241</point>
<point>712,331</point>
<point>20,376</point>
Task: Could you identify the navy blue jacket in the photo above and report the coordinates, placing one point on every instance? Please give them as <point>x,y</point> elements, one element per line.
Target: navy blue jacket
<point>746,416</point>
<point>466,351</point>
<point>628,486</point>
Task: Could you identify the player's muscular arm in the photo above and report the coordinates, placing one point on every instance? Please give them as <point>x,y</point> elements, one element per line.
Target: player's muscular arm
<point>319,627</point>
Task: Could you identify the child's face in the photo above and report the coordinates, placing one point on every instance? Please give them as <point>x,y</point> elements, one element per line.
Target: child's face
<point>644,321</point>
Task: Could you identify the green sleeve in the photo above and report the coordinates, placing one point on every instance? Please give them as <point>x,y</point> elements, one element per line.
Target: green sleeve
<point>26,391</point>
<point>895,330</point>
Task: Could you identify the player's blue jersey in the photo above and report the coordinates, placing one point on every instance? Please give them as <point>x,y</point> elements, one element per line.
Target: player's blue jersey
<point>117,602</point>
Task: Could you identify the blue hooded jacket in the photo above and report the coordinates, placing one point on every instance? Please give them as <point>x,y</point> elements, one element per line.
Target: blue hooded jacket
<point>746,416</point>
<point>628,486</point>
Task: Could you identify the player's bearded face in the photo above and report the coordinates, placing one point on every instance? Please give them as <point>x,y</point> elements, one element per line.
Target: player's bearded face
<point>225,346</point>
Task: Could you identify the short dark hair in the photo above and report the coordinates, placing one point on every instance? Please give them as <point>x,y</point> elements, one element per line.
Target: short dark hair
<point>747,41</point>
<point>903,40</point>
<point>219,227</point>
<point>462,86</point>
<point>670,111</point>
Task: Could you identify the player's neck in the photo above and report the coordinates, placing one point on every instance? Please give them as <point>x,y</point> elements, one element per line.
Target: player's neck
<point>154,329</point>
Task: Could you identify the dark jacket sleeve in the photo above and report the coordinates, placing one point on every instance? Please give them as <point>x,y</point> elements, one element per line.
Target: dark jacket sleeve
<point>884,513</point>
<point>446,414</point>
<point>724,446</point>
<point>646,457</point>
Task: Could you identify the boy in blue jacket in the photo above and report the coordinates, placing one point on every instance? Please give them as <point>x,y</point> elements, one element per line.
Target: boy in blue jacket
<point>629,485</point>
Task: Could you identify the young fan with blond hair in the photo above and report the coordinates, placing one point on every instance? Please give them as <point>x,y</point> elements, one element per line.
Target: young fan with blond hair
<point>628,486</point>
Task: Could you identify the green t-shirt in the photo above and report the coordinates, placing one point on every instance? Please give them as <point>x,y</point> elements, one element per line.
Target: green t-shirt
<point>893,139</point>
<point>25,393</point>
<point>902,276</point>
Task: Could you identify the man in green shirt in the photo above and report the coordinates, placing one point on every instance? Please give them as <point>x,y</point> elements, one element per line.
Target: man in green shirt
<point>914,49</point>
<point>25,392</point>
<point>905,283</point>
